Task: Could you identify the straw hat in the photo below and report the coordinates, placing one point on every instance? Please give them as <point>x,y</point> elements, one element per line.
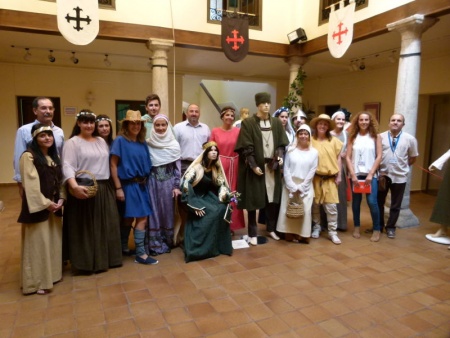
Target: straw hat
<point>322,117</point>
<point>133,115</point>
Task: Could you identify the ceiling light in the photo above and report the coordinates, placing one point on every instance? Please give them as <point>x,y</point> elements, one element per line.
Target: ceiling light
<point>27,55</point>
<point>51,58</point>
<point>362,65</point>
<point>74,59</point>
<point>106,61</point>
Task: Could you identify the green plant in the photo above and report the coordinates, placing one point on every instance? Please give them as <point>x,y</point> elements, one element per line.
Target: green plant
<point>296,90</point>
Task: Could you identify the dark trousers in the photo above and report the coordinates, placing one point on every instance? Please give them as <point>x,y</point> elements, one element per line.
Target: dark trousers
<point>397,192</point>
<point>271,210</point>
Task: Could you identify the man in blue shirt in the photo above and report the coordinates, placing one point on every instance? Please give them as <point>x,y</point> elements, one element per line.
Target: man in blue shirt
<point>43,109</point>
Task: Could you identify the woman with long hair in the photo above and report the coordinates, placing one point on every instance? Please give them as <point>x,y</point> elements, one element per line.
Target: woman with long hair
<point>43,198</point>
<point>90,223</point>
<point>299,170</point>
<point>226,137</point>
<point>163,185</point>
<point>206,193</point>
<point>130,169</point>
<point>104,128</point>
<point>363,159</point>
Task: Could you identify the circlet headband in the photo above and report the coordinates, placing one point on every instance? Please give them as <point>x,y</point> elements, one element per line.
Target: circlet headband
<point>103,119</point>
<point>84,113</point>
<point>41,129</point>
<point>209,144</point>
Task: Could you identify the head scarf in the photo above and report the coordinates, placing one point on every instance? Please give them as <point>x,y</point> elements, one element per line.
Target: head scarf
<point>164,148</point>
<point>295,143</point>
<point>288,129</point>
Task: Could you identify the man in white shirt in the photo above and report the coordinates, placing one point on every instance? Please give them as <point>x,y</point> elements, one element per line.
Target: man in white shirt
<point>43,109</point>
<point>399,153</point>
<point>191,134</point>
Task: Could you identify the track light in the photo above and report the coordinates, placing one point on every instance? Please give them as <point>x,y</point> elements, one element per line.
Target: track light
<point>27,55</point>
<point>74,59</point>
<point>362,65</point>
<point>51,58</point>
<point>106,61</point>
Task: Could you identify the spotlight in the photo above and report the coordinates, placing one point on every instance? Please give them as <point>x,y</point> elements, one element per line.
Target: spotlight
<point>296,36</point>
<point>51,58</point>
<point>106,61</point>
<point>27,55</point>
<point>362,65</point>
<point>74,59</point>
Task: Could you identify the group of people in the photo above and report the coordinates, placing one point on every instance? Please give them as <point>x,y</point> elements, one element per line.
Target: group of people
<point>187,184</point>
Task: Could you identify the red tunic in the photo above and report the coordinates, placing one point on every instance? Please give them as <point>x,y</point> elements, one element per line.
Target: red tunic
<point>226,141</point>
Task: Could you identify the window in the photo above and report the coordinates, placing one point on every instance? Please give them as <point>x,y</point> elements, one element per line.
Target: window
<point>253,8</point>
<point>324,10</point>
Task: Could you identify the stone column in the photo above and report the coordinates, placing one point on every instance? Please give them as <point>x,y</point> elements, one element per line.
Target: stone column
<point>407,92</point>
<point>160,76</point>
<point>295,62</point>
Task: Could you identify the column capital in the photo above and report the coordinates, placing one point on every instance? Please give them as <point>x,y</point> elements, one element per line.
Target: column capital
<point>295,60</point>
<point>160,44</point>
<point>415,25</point>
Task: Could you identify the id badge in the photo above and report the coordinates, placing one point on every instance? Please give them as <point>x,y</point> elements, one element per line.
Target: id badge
<point>362,168</point>
<point>393,161</point>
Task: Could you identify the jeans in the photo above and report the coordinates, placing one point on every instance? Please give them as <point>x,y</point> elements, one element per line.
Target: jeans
<point>371,201</point>
<point>397,192</point>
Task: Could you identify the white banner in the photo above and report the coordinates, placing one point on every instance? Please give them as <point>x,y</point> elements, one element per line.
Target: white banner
<point>340,29</point>
<point>78,20</point>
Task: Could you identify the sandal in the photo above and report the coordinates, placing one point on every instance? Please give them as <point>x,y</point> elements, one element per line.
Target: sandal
<point>43,292</point>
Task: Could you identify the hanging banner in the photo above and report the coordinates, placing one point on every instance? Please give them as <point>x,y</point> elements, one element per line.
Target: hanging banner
<point>78,20</point>
<point>340,28</point>
<point>235,38</point>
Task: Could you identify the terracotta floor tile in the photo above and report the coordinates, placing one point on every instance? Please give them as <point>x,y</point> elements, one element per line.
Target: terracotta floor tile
<point>122,328</point>
<point>177,315</point>
<point>151,321</point>
<point>236,318</point>
<point>85,321</point>
<point>258,311</point>
<point>249,330</point>
<point>117,314</point>
<point>334,327</point>
<point>211,324</point>
<point>391,288</point>
<point>61,325</point>
<point>185,330</point>
<point>273,325</point>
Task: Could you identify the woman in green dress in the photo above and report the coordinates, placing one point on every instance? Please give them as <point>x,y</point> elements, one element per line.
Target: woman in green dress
<point>206,194</point>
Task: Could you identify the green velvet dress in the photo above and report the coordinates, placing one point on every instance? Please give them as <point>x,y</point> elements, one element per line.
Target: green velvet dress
<point>210,235</point>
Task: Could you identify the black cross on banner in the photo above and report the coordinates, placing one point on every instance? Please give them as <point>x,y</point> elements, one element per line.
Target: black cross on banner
<point>78,19</point>
<point>235,38</point>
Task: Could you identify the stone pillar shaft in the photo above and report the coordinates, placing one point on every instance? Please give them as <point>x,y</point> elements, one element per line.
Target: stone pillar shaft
<point>160,75</point>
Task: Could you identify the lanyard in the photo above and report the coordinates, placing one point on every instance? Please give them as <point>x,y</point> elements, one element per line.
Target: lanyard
<point>396,144</point>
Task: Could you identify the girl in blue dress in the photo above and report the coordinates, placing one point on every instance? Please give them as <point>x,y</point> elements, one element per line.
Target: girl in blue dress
<point>130,169</point>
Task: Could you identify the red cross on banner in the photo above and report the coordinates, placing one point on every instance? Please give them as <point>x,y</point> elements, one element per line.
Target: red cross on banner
<point>340,29</point>
<point>235,38</point>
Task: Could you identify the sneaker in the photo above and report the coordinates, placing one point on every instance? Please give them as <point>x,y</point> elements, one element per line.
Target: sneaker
<point>335,239</point>
<point>315,233</point>
<point>147,261</point>
<point>274,236</point>
<point>390,233</point>
<point>254,240</point>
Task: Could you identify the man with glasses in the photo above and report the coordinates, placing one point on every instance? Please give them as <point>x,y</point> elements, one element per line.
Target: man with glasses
<point>399,153</point>
<point>43,109</point>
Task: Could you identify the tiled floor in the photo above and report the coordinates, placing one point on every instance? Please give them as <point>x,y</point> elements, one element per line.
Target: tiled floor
<point>394,288</point>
